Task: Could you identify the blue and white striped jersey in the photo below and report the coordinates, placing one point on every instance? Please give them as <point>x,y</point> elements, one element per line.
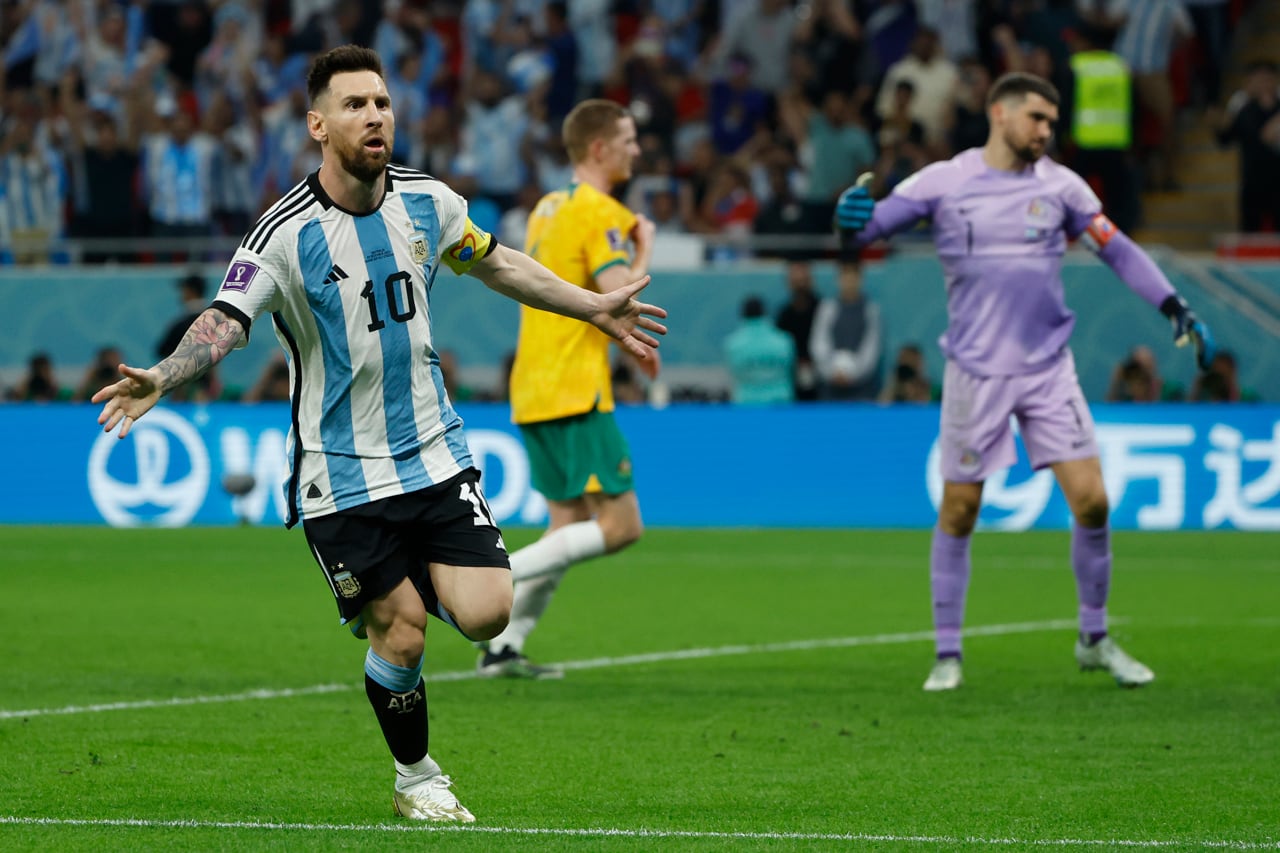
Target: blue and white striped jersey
<point>350,300</point>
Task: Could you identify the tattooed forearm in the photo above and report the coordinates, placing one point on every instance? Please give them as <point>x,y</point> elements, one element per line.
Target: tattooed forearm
<point>207,342</point>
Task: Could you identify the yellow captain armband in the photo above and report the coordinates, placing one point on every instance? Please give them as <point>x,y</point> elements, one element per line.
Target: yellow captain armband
<point>468,251</point>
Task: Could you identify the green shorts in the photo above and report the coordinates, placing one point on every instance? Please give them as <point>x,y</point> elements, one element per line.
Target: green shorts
<point>582,454</point>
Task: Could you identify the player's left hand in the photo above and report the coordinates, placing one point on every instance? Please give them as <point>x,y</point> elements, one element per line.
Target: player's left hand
<point>624,319</point>
<point>127,400</point>
<point>1190,329</point>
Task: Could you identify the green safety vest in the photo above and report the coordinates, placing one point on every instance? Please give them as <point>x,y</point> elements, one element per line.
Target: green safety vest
<point>1103,107</point>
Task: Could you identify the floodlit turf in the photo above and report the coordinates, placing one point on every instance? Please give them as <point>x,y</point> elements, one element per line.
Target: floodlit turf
<point>794,748</point>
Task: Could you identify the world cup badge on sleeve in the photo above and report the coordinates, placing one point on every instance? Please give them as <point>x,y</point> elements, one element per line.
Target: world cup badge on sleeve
<point>418,248</point>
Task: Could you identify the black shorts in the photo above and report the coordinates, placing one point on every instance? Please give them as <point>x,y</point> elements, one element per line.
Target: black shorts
<point>366,551</point>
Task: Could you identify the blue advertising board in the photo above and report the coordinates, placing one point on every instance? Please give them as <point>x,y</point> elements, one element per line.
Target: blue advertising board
<point>1166,467</point>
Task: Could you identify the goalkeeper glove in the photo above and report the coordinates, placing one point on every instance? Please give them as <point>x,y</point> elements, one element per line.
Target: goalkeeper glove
<point>1188,328</point>
<point>855,205</point>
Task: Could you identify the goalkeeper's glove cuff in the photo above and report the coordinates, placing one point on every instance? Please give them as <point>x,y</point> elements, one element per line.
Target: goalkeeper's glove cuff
<point>1174,306</point>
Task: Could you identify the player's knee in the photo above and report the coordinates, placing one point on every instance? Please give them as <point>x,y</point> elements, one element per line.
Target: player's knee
<point>958,515</point>
<point>402,643</point>
<point>621,531</point>
<point>484,616</point>
<point>1092,511</point>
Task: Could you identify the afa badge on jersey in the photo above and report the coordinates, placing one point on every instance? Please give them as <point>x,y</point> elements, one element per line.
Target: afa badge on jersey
<point>419,249</point>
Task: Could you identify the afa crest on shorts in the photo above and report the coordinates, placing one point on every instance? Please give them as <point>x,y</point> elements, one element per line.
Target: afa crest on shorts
<point>348,586</point>
<point>418,248</point>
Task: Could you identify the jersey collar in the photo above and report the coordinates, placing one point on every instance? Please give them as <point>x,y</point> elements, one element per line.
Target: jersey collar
<point>313,181</point>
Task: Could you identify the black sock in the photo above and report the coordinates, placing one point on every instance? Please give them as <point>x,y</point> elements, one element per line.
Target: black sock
<point>403,718</point>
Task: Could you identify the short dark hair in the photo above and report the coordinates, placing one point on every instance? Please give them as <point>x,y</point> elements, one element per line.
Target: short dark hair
<point>193,282</point>
<point>344,58</point>
<point>1019,84</point>
<point>590,120</point>
<point>753,306</point>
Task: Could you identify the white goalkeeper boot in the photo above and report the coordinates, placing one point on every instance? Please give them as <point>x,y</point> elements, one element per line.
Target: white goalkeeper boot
<point>945,675</point>
<point>431,799</point>
<point>1105,654</point>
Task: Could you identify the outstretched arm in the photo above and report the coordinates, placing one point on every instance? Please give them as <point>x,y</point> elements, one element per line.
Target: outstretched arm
<point>207,342</point>
<point>615,313</point>
<point>1136,269</point>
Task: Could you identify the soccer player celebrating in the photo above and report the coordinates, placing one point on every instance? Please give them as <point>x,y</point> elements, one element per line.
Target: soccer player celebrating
<point>561,394</point>
<point>1001,216</point>
<point>380,473</point>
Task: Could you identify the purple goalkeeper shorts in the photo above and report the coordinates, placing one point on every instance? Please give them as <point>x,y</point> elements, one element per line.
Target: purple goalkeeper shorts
<point>977,437</point>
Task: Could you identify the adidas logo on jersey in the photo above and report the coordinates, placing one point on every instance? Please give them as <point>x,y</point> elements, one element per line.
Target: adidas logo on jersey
<point>335,275</point>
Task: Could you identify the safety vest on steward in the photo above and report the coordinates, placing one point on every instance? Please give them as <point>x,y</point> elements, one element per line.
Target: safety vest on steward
<point>1103,107</point>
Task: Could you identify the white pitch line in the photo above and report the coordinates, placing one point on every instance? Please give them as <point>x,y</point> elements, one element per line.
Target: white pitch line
<point>601,832</point>
<point>592,663</point>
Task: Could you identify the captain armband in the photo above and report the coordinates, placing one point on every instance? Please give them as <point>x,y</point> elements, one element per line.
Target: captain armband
<point>474,246</point>
<point>1100,232</point>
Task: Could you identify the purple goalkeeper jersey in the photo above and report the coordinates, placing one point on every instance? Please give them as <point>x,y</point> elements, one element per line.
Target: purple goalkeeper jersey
<point>1001,237</point>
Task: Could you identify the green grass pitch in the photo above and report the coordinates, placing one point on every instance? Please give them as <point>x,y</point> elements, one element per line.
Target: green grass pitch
<point>754,738</point>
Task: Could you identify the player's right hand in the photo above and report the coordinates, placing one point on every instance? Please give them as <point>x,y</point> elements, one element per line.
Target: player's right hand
<point>127,400</point>
<point>855,205</point>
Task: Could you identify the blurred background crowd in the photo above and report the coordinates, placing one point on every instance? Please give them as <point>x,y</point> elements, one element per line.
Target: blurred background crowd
<point>185,119</point>
<point>133,130</point>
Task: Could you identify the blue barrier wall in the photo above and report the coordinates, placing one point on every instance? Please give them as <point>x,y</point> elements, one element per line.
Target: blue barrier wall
<point>72,312</point>
<point>1167,467</point>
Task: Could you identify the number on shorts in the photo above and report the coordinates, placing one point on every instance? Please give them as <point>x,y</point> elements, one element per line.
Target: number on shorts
<point>483,518</point>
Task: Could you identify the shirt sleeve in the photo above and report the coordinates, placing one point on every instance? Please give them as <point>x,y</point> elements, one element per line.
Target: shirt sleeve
<point>465,244</point>
<point>251,286</point>
<point>606,240</point>
<point>1081,207</point>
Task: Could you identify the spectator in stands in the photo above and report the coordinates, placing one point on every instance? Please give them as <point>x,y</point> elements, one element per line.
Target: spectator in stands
<point>737,109</point>
<point>788,217</point>
<point>178,168</point>
<point>33,189</point>
<point>1252,120</point>
<point>934,78</point>
<point>761,30</point>
<point>627,387</point>
<point>729,205</point>
<point>901,139</point>
<point>832,143</point>
<point>1137,379</point>
<point>761,359</point>
<point>273,382</point>
<point>191,293</point>
<point>796,319</point>
<point>489,156</point>
<point>969,125</point>
<point>1221,382</point>
<point>1101,124</point>
<point>846,339</point>
<point>955,22</point>
<point>237,140</point>
<point>831,38</point>
<point>1210,19</point>
<point>103,370</point>
<point>104,170</point>
<point>40,385</point>
<point>1149,30</point>
<point>562,49</point>
<point>909,381</point>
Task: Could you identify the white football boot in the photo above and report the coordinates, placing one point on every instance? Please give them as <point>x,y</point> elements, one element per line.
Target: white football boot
<point>945,675</point>
<point>431,800</point>
<point>1105,654</point>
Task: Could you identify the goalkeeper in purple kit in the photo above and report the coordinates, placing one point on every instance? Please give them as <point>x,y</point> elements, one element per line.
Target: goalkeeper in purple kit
<point>1001,217</point>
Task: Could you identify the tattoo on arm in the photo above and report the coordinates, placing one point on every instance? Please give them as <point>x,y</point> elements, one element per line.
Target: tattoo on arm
<point>207,342</point>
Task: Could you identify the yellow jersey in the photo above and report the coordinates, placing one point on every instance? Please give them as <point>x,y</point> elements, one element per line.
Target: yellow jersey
<point>561,366</point>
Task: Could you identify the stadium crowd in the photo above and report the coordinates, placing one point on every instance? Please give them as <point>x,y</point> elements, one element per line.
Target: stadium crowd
<point>183,119</point>
<point>180,119</point>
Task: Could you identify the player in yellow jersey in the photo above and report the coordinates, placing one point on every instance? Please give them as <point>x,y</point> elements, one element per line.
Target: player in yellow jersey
<point>561,396</point>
